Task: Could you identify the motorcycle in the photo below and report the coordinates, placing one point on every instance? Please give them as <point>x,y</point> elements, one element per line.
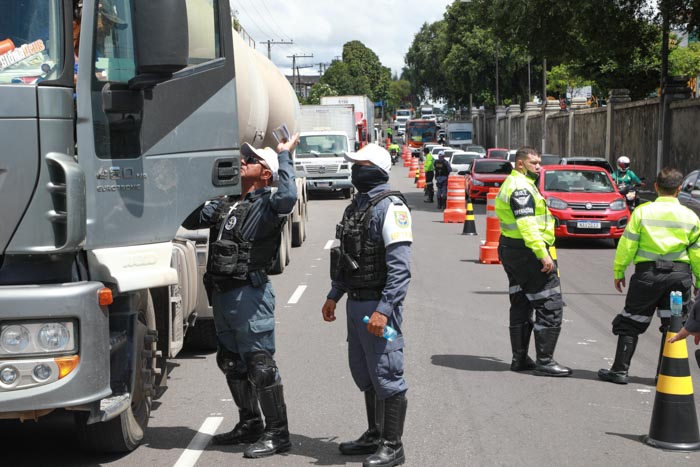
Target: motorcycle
<point>394,156</point>
<point>631,193</point>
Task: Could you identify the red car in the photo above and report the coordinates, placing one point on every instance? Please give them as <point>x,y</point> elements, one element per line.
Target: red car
<point>497,153</point>
<point>484,174</point>
<point>584,201</point>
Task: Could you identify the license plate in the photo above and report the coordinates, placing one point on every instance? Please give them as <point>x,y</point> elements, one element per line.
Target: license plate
<point>588,225</point>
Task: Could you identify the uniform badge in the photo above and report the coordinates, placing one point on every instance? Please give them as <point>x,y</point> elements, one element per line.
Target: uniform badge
<point>230,223</point>
<point>401,219</point>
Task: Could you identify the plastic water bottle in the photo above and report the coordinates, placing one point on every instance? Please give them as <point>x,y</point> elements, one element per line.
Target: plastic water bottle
<point>389,332</point>
<point>676,303</point>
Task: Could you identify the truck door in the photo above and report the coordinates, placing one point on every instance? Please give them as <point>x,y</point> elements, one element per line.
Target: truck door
<point>154,151</point>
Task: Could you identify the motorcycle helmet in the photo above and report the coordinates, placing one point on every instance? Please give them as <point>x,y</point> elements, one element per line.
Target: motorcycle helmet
<point>623,163</point>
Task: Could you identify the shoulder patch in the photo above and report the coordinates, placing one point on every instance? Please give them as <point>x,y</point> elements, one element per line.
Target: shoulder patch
<point>522,203</point>
<point>397,225</point>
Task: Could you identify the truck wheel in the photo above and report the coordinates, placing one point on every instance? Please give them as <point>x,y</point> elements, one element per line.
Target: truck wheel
<point>347,193</point>
<point>298,231</point>
<point>125,432</point>
<point>202,336</point>
<point>281,260</point>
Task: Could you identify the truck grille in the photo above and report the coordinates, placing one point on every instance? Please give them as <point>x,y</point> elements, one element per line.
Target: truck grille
<point>322,169</point>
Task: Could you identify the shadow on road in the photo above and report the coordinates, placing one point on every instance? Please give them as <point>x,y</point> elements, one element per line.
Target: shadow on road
<point>636,438</point>
<point>485,363</point>
<point>319,451</point>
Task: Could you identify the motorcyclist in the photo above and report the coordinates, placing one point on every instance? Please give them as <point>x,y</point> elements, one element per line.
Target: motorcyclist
<point>623,175</point>
<point>394,150</point>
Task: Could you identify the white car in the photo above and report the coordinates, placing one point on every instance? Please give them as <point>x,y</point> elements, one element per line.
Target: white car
<point>461,161</point>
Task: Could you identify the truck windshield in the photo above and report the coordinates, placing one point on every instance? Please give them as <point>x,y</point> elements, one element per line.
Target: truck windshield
<point>30,41</point>
<point>321,145</point>
<point>423,132</point>
<point>460,135</point>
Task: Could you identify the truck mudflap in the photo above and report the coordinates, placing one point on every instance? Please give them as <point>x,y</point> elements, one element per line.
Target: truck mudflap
<point>30,307</point>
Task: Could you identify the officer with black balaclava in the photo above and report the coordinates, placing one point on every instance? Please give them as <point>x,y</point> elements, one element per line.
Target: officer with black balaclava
<point>244,240</point>
<point>442,170</point>
<point>372,266</point>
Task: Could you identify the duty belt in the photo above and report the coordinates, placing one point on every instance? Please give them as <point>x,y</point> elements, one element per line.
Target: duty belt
<point>671,266</point>
<point>364,294</point>
<point>513,242</point>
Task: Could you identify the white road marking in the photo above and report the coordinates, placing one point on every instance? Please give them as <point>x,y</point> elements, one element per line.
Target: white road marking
<point>297,294</point>
<point>329,244</point>
<point>643,390</point>
<point>199,442</point>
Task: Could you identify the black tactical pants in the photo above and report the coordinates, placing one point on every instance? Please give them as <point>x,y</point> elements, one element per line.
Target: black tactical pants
<point>529,288</point>
<point>650,288</point>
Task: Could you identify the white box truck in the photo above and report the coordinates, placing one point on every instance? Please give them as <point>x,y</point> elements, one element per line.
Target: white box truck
<point>364,121</point>
<point>459,134</point>
<point>327,132</point>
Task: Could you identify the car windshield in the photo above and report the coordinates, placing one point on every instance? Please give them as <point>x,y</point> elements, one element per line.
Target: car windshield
<point>460,135</point>
<point>478,149</point>
<point>547,159</point>
<point>498,154</point>
<point>321,145</point>
<point>464,158</point>
<point>580,180</point>
<point>403,113</point>
<point>493,167</point>
<point>30,41</point>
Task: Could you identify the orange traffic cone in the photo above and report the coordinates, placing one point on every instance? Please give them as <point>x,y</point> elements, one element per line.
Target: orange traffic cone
<point>469,223</point>
<point>488,252</point>
<point>420,183</point>
<point>674,423</point>
<point>455,211</point>
<point>414,167</point>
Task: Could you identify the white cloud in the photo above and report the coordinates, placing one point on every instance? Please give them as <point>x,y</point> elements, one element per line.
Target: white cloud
<point>321,27</point>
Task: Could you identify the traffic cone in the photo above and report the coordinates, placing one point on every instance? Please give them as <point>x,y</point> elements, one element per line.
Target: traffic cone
<point>420,183</point>
<point>455,210</point>
<point>674,423</point>
<point>469,224</point>
<point>488,252</point>
<point>417,174</point>
<point>414,168</point>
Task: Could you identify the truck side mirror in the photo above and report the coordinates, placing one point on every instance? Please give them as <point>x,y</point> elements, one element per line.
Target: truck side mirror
<point>161,40</point>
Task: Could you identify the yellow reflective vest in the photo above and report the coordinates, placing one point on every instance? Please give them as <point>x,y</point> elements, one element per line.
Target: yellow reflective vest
<point>664,230</point>
<point>536,229</point>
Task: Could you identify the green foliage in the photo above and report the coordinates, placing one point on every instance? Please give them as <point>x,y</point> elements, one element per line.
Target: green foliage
<point>685,61</point>
<point>317,91</point>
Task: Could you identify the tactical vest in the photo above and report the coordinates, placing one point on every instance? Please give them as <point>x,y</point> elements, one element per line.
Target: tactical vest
<point>441,168</point>
<point>233,257</point>
<point>360,263</point>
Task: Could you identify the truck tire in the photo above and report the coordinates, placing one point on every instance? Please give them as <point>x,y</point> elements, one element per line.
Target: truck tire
<point>298,232</point>
<point>347,193</point>
<point>202,336</point>
<point>125,432</point>
<point>281,260</point>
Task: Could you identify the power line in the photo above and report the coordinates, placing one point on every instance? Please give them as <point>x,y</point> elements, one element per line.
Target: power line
<point>269,43</point>
<point>294,68</point>
<point>252,19</point>
<point>272,17</point>
<point>262,17</point>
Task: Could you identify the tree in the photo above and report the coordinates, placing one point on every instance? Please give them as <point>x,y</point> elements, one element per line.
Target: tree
<point>685,61</point>
<point>317,91</point>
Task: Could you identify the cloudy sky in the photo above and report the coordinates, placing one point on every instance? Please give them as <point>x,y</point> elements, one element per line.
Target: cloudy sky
<point>321,27</point>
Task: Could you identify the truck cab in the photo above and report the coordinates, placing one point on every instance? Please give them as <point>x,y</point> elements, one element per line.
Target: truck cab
<point>320,158</point>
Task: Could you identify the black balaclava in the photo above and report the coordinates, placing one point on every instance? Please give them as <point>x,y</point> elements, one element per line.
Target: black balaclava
<point>366,177</point>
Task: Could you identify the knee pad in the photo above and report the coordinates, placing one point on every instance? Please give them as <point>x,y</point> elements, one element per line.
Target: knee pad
<point>230,363</point>
<point>262,369</point>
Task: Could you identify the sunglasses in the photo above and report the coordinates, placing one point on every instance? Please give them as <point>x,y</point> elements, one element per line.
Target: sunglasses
<point>252,160</point>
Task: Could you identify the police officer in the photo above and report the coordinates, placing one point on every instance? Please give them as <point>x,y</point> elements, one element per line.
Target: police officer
<point>429,168</point>
<point>442,170</point>
<point>390,134</point>
<point>372,265</point>
<point>691,326</point>
<point>527,232</point>
<point>243,243</point>
<point>662,238</point>
<point>394,151</point>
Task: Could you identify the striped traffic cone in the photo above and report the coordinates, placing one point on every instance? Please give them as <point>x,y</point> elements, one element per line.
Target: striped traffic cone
<point>469,224</point>
<point>674,423</point>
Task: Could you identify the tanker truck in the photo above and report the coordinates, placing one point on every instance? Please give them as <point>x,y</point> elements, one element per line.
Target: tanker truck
<point>99,284</point>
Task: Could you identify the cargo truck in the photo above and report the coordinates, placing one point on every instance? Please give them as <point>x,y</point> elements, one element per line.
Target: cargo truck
<point>459,134</point>
<point>99,284</point>
<point>364,114</point>
<point>327,132</point>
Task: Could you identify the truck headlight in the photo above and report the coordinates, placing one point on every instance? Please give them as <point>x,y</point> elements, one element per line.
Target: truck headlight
<point>53,337</point>
<point>9,375</point>
<point>14,338</point>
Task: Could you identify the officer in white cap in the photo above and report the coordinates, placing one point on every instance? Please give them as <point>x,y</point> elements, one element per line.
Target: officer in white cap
<point>372,266</point>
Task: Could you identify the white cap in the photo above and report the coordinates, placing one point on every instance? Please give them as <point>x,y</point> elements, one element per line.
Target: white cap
<point>441,152</point>
<point>373,153</point>
<point>268,155</point>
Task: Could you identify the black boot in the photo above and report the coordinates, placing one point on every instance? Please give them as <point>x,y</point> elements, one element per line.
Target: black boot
<point>275,438</point>
<point>390,450</point>
<point>623,356</point>
<point>369,441</point>
<point>250,426</point>
<point>545,342</point>
<point>520,342</point>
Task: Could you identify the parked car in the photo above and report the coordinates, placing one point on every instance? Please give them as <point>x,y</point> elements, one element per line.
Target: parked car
<point>583,160</point>
<point>485,174</point>
<point>461,161</point>
<point>475,148</point>
<point>497,153</point>
<point>584,201</point>
<point>690,191</point>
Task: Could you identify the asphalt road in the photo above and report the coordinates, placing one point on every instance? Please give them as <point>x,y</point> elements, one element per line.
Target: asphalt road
<point>465,406</point>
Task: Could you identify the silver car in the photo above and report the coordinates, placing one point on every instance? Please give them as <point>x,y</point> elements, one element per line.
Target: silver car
<point>690,191</point>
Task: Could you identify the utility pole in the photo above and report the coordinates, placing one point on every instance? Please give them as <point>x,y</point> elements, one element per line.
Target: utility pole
<point>269,43</point>
<point>294,67</point>
<point>298,91</point>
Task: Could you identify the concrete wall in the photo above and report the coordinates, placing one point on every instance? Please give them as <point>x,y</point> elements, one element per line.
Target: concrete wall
<point>631,128</point>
